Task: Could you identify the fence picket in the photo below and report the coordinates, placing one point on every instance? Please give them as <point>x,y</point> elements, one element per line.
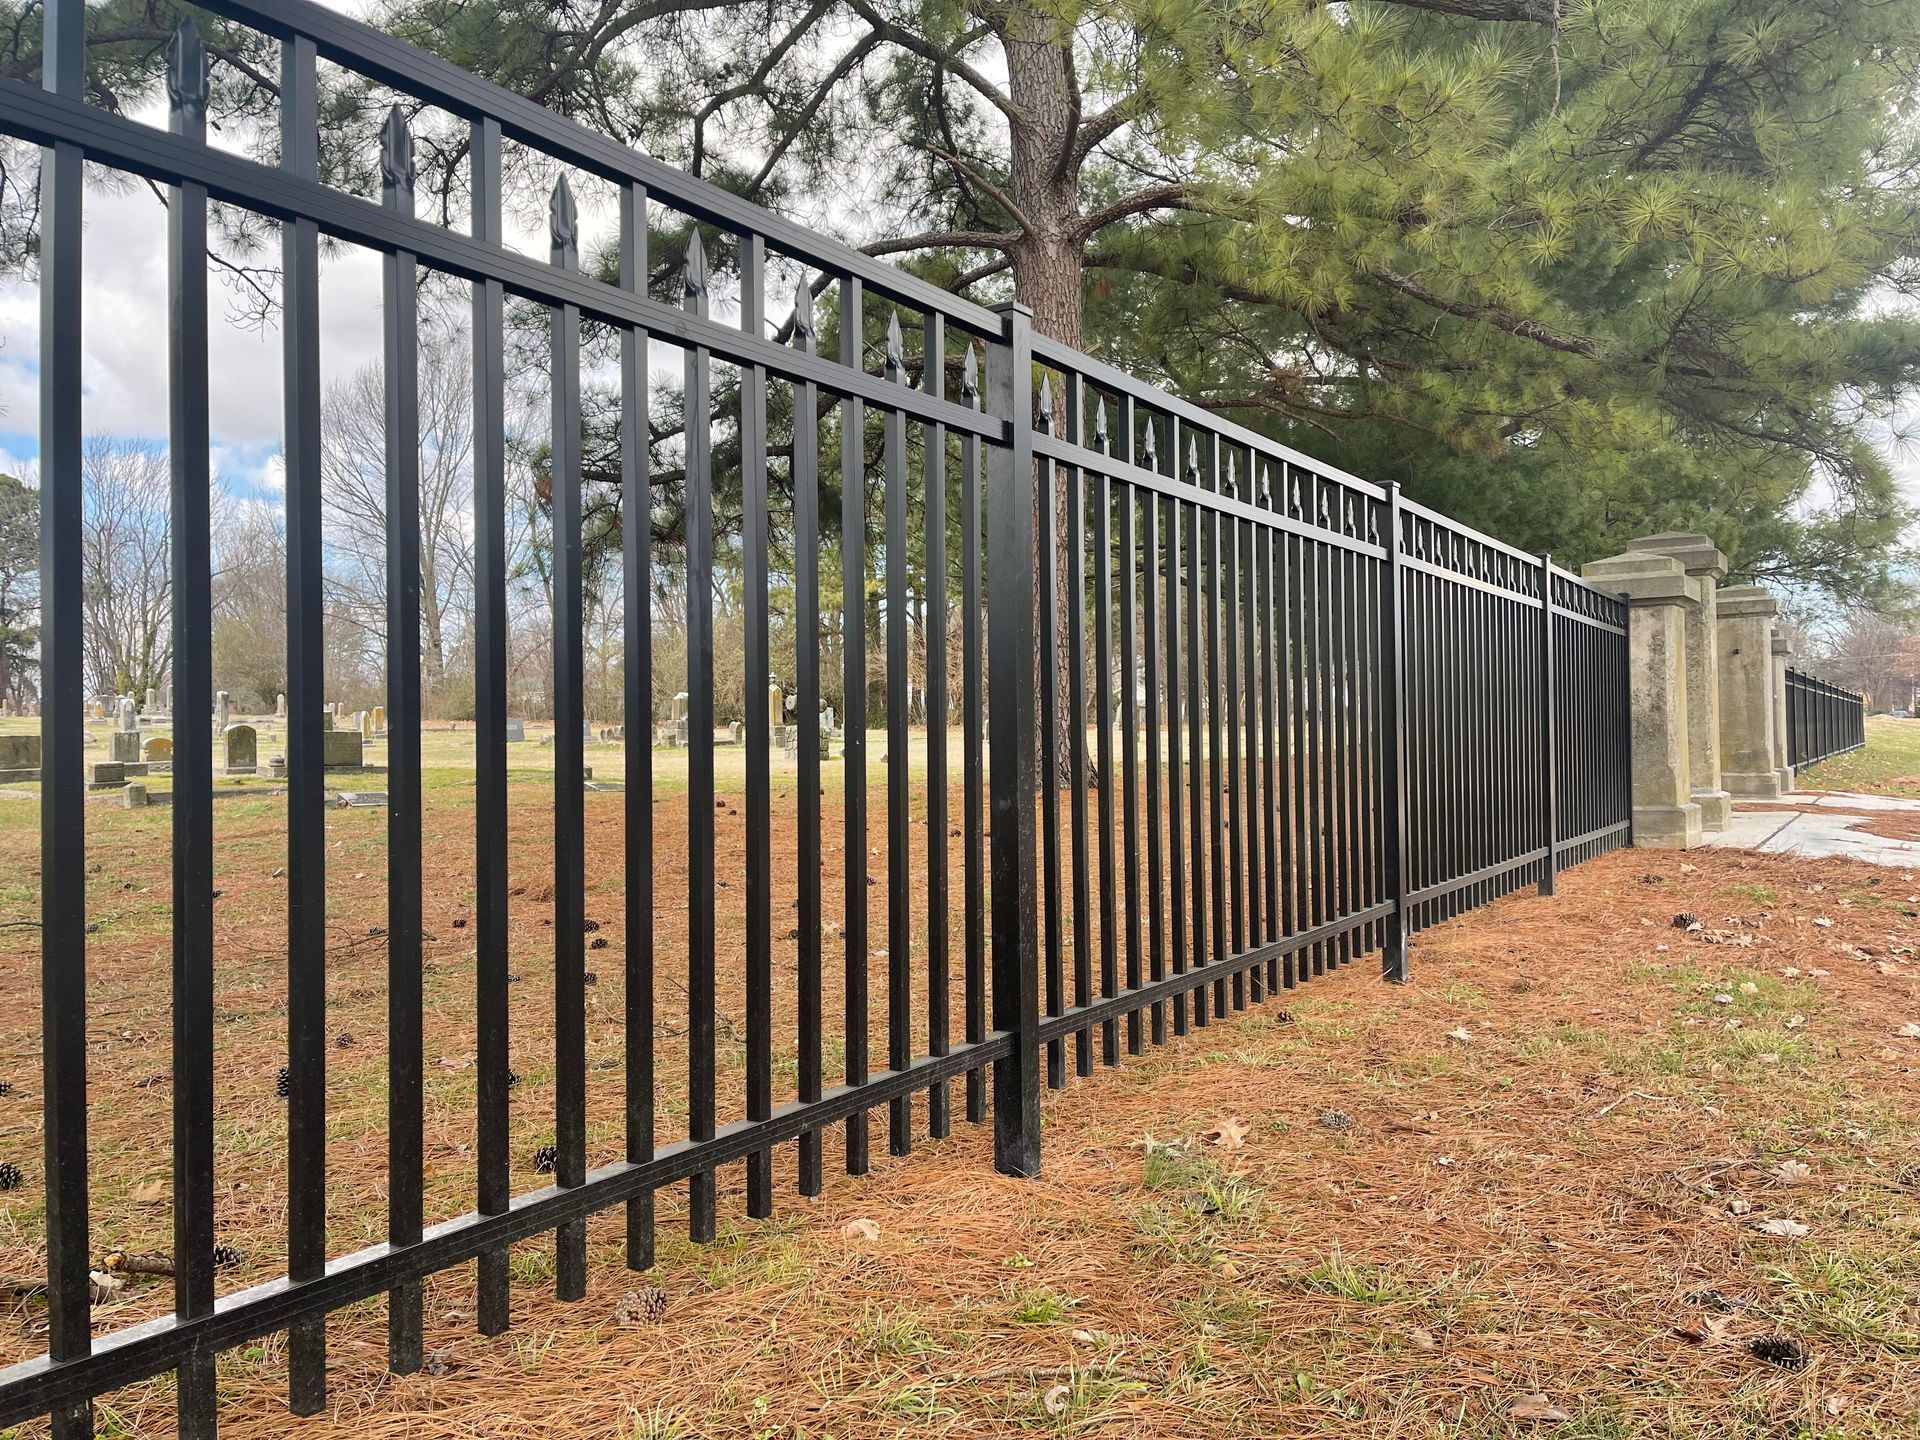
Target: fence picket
<point>1351,728</point>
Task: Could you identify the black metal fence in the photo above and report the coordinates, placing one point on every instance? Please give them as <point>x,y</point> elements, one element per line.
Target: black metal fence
<point>1822,720</point>
<point>1319,716</point>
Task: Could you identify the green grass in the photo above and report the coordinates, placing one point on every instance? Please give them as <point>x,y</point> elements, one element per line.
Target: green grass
<point>1888,764</point>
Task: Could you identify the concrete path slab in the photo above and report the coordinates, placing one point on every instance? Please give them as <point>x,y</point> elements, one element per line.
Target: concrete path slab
<point>1830,827</point>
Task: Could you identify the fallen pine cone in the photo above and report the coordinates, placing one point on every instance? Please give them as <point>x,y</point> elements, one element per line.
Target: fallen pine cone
<point>1782,1350</point>
<point>644,1306</point>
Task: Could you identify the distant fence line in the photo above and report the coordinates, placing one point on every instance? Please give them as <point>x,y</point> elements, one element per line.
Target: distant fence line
<point>1348,716</point>
<point>1823,720</point>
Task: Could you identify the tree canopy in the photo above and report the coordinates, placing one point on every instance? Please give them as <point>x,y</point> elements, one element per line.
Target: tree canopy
<point>1570,271</point>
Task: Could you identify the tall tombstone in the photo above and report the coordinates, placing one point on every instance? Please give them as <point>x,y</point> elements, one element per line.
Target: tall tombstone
<point>153,701</point>
<point>222,711</point>
<point>1661,598</point>
<point>364,724</point>
<point>1782,749</point>
<point>280,707</point>
<point>1745,628</point>
<point>242,749</point>
<point>1706,567</point>
<point>129,717</point>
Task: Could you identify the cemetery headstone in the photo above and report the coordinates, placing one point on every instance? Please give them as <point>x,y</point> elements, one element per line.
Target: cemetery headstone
<point>280,707</point>
<point>344,750</point>
<point>153,700</point>
<point>379,718</point>
<point>158,748</point>
<point>19,757</point>
<point>326,719</point>
<point>124,746</point>
<point>222,711</point>
<point>516,730</point>
<point>242,749</point>
<point>134,797</point>
<point>129,717</point>
<point>106,774</point>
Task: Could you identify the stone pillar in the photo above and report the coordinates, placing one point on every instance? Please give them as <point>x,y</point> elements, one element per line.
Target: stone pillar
<point>1660,600</point>
<point>1745,627</point>
<point>1782,763</point>
<point>1705,566</point>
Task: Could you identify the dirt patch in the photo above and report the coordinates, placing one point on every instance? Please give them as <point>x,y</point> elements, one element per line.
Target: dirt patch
<point>1566,1159</point>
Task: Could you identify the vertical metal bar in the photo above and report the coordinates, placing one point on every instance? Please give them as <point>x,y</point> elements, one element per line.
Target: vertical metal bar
<point>806,564</point>
<point>700,879</point>
<point>1156,566</point>
<point>188,451</point>
<point>899,856</point>
<point>406,1114</point>
<point>490,722</point>
<point>1101,489</point>
<point>1251,875</point>
<point>754,521</point>
<point>1549,740</point>
<point>1076,481</point>
<point>569,758</point>
<point>1130,717</point>
<point>1016,978</point>
<point>1196,833</point>
<point>1176,850</point>
<point>1393,749</point>
<point>636,555</point>
<point>853,591</point>
<point>1227,620</point>
<point>933,379</point>
<point>1050,737</point>
<point>1287,736</point>
<point>1218,612</point>
<point>973,763</point>
<point>306,790</point>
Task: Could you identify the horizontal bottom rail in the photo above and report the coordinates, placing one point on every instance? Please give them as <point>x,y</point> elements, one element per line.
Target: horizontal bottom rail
<point>1112,1007</point>
<point>126,1357</point>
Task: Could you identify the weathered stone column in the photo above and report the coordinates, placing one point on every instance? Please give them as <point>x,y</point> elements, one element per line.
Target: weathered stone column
<point>1660,600</point>
<point>1745,628</point>
<point>1782,762</point>
<point>1706,566</point>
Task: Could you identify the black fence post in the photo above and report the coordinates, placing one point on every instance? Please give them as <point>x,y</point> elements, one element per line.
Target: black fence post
<point>1549,774</point>
<point>1393,754</point>
<point>1013,727</point>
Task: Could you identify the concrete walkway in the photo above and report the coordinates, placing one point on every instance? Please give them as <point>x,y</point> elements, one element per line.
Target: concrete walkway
<point>1830,827</point>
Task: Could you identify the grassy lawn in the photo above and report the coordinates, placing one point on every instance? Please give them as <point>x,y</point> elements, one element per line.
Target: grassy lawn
<point>1888,764</point>
<point>1667,1178</point>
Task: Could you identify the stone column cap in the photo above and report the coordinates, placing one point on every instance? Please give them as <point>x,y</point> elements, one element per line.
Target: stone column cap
<point>1747,600</point>
<point>1694,550</point>
<point>1780,645</point>
<point>1644,578</point>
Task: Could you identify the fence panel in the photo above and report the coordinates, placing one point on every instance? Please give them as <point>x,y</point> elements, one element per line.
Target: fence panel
<point>1230,718</point>
<point>1823,720</point>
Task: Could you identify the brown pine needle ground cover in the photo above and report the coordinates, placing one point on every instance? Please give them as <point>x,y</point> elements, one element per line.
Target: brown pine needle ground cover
<point>1659,1180</point>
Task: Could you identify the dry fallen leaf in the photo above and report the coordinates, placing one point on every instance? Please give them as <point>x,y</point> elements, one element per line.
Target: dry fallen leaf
<point>1421,1339</point>
<point>1056,1400</point>
<point>1462,1034</point>
<point>1539,1408</point>
<point>1784,1228</point>
<point>1909,1031</point>
<point>1229,1134</point>
<point>860,1229</point>
<point>1792,1172</point>
<point>151,1193</point>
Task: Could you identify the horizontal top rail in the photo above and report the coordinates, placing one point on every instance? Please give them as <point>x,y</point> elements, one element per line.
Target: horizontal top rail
<point>378,56</point>
<point>1116,381</point>
<point>1825,687</point>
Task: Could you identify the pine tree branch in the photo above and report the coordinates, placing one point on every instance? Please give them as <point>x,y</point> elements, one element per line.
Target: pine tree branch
<point>986,187</point>
<point>1493,315</point>
<point>919,45</point>
<point>1530,12</point>
<point>944,240</point>
<point>1172,196</point>
<point>799,121</point>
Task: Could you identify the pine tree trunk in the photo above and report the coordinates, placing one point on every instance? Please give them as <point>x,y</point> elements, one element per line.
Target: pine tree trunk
<point>1044,183</point>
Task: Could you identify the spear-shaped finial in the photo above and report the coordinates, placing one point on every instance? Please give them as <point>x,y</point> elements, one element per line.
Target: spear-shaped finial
<point>1231,484</point>
<point>563,222</point>
<point>396,154</point>
<point>695,271</point>
<point>803,311</point>
<point>1100,424</point>
<point>1266,488</point>
<point>1150,448</point>
<point>896,353</point>
<point>970,374</point>
<point>187,87</point>
<point>1193,458</point>
<point>1046,404</point>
